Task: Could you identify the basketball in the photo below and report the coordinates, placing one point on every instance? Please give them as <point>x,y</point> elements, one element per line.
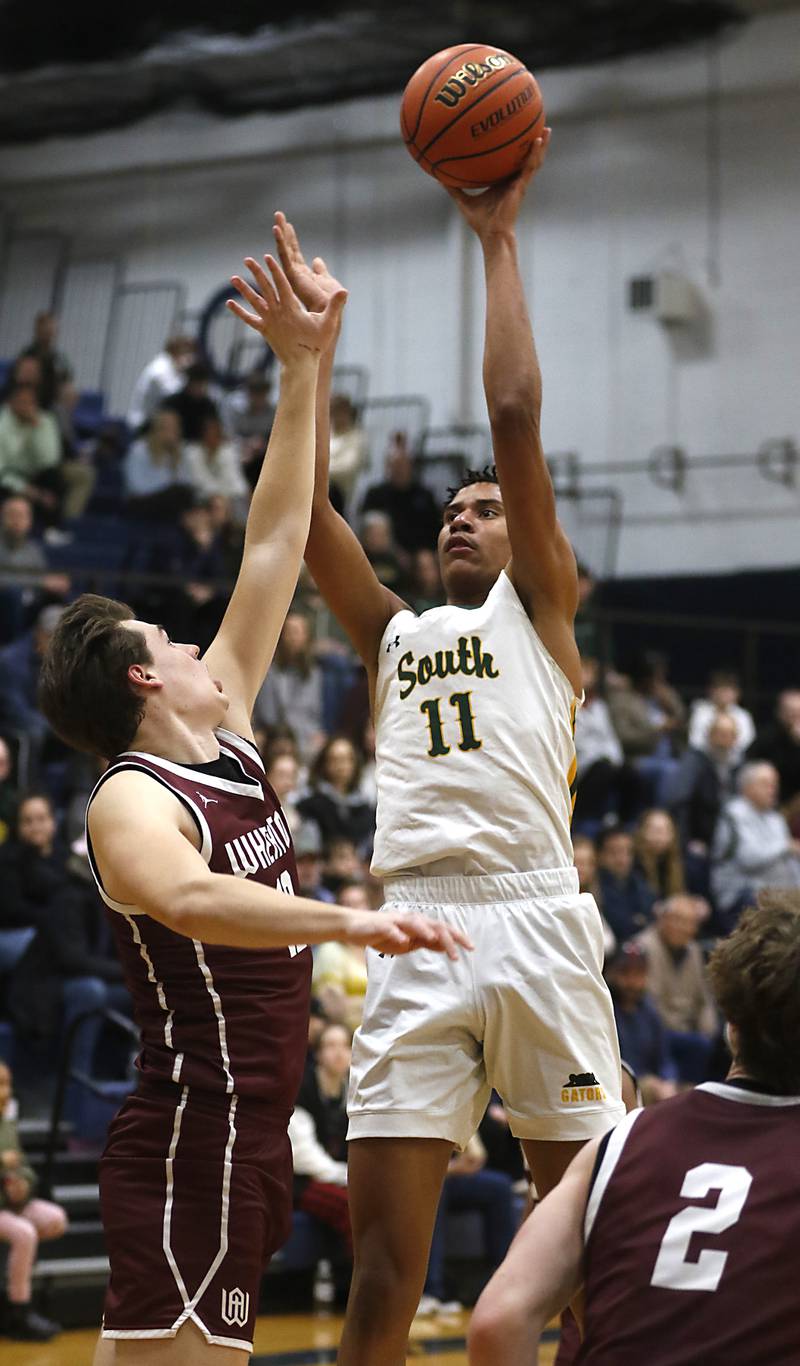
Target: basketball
<point>470,115</point>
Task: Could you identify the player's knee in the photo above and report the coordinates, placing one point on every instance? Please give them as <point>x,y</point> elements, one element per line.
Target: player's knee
<point>382,1288</point>
<point>24,1237</point>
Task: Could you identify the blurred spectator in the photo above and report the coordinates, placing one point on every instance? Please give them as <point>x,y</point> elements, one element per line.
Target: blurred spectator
<point>283,776</point>
<point>216,468</point>
<point>193,403</point>
<point>425,588</point>
<point>469,1185</point>
<point>279,740</point>
<point>30,453</point>
<point>22,563</point>
<point>587,633</point>
<point>25,1221</point>
<point>339,980</point>
<point>308,853</point>
<point>704,779</point>
<point>162,377</point>
<point>415,517</point>
<point>625,898</point>
<point>25,370</point>
<point>77,467</point>
<point>368,783</point>
<point>70,966</point>
<point>779,743</point>
<point>158,475</point>
<point>300,690</point>
<point>642,1036</point>
<point>341,864</point>
<point>198,566</point>
<point>676,982</point>
<point>229,533</point>
<point>8,795</point>
<point>250,414</point>
<point>722,699</point>
<point>318,1135</point>
<point>503,1150</point>
<point>333,799</point>
<point>607,785</point>
<point>20,663</point>
<point>648,716</point>
<point>657,852</point>
<point>379,548</point>
<point>585,858</point>
<point>55,368</point>
<point>753,845</point>
<point>349,450</point>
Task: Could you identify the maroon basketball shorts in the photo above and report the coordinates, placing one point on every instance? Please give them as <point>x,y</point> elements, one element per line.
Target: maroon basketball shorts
<point>196,1195</point>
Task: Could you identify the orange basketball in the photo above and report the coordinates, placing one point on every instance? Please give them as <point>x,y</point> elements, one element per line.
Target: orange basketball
<point>470,115</point>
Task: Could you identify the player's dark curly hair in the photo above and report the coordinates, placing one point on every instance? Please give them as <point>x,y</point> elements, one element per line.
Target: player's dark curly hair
<point>83,685</point>
<point>487,475</point>
<point>754,975</point>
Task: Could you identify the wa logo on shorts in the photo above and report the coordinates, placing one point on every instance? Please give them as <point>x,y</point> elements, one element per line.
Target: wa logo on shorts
<point>580,1088</point>
<point>235,1307</point>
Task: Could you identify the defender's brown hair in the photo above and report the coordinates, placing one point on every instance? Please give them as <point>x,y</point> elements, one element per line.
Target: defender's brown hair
<point>754,975</point>
<point>83,688</point>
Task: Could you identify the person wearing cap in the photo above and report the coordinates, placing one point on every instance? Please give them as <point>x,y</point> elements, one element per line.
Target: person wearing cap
<point>308,852</point>
<point>642,1036</point>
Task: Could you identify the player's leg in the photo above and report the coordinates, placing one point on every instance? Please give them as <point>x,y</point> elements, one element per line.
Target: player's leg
<point>549,1160</point>
<point>188,1348</point>
<point>105,1353</point>
<point>394,1186</point>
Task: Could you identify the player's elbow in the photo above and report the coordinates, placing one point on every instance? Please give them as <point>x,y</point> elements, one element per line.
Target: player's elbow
<point>181,907</point>
<point>514,411</point>
<point>503,1330</point>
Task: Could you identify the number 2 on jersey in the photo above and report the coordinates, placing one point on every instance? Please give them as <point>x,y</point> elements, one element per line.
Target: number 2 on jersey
<point>432,711</point>
<point>673,1269</point>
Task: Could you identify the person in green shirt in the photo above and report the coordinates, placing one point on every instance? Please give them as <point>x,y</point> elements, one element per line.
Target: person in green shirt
<point>30,452</point>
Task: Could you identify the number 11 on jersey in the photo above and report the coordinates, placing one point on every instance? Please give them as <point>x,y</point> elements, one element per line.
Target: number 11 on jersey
<point>432,711</point>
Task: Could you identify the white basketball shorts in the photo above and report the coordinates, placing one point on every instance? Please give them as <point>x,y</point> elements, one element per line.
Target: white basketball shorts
<point>527,1013</point>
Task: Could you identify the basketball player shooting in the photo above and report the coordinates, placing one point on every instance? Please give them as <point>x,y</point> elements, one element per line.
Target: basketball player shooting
<point>194,861</point>
<point>683,1222</point>
<point>474,706</point>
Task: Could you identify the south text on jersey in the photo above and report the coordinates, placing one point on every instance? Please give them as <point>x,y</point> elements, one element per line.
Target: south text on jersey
<point>469,657</point>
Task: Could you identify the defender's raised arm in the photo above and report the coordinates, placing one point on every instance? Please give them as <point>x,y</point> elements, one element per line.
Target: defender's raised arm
<point>280,511</point>
<point>334,554</point>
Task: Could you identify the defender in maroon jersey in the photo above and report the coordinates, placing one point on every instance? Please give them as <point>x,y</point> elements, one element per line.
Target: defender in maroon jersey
<point>683,1223</point>
<point>194,862</point>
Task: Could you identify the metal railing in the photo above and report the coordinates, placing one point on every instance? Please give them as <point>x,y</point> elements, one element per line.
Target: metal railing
<point>66,1074</point>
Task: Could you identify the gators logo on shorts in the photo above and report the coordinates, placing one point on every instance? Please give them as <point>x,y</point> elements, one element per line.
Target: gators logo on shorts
<point>580,1088</point>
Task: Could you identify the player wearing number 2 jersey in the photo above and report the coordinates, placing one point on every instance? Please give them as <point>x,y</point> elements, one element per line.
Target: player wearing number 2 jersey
<point>194,862</point>
<point>474,706</point>
<point>684,1221</point>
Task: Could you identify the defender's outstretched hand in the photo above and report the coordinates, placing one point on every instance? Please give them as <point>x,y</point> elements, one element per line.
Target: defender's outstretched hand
<point>398,932</point>
<point>313,283</point>
<point>279,316</point>
<point>496,209</point>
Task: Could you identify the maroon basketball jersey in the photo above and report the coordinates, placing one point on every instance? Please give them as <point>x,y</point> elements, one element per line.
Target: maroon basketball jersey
<point>692,1234</point>
<point>223,1019</point>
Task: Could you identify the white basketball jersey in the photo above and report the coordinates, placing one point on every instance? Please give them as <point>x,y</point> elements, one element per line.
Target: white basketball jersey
<point>475,751</point>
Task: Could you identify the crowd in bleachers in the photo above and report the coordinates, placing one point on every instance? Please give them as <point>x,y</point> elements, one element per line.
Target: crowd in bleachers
<point>685,807</point>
